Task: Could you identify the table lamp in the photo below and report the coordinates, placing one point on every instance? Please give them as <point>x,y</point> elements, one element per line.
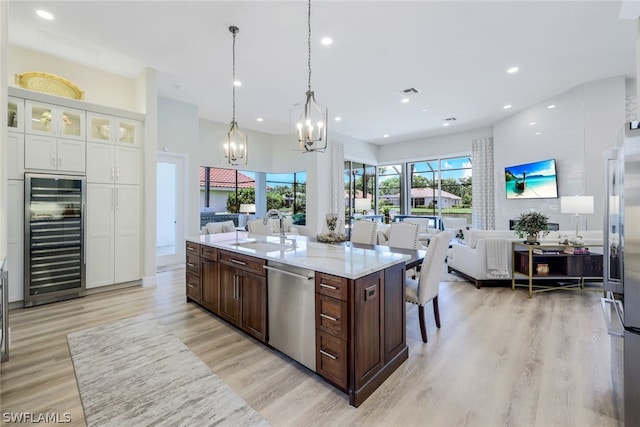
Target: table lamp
<point>576,205</point>
<point>362,205</point>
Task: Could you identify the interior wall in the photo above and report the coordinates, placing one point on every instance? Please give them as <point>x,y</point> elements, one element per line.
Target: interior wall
<point>449,145</point>
<point>582,125</point>
<point>99,87</point>
<point>178,125</point>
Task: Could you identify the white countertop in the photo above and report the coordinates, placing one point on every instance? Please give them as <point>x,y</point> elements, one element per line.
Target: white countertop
<point>339,260</point>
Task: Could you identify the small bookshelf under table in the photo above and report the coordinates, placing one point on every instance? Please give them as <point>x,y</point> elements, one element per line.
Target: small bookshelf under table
<point>554,268</point>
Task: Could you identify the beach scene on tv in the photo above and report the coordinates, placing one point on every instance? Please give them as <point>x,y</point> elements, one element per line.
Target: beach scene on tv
<point>532,180</point>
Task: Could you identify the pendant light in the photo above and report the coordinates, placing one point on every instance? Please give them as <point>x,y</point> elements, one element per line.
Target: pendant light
<point>235,148</point>
<point>312,124</point>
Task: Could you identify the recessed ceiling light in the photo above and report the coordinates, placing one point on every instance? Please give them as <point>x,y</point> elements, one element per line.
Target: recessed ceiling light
<point>538,133</point>
<point>326,41</point>
<point>506,107</point>
<point>260,119</point>
<point>338,119</point>
<point>237,83</point>
<point>44,14</point>
<point>512,70</point>
<point>532,123</point>
<point>551,106</point>
<point>386,135</point>
<point>445,124</point>
<point>405,100</point>
<point>424,110</point>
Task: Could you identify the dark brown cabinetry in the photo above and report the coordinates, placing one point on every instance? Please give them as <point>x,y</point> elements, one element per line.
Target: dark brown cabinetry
<point>230,285</point>
<point>360,330</point>
<point>193,290</point>
<point>209,279</point>
<point>243,293</point>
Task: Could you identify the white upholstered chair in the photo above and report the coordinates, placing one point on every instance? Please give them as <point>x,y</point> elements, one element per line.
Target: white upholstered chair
<point>257,226</point>
<point>404,235</point>
<point>426,287</point>
<point>364,232</point>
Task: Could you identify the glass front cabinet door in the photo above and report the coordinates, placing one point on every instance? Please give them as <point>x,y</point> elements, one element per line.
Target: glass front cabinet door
<point>15,114</point>
<point>53,120</point>
<point>113,130</point>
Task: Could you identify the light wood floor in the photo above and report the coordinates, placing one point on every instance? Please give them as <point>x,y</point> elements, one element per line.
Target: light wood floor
<point>500,359</point>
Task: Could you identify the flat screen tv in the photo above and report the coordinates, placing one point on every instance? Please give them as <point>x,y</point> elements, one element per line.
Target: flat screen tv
<point>532,180</point>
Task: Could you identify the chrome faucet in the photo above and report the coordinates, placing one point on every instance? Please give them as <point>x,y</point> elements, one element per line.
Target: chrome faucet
<point>268,215</point>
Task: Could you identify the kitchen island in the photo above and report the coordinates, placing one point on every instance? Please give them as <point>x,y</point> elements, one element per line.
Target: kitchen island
<point>359,327</point>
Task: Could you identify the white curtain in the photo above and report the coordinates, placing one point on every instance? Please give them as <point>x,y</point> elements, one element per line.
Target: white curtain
<point>483,191</point>
<point>337,182</point>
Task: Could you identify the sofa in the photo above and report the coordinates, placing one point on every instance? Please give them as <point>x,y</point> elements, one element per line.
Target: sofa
<point>485,256</point>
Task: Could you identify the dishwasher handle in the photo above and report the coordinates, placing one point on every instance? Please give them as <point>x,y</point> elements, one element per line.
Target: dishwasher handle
<point>289,273</point>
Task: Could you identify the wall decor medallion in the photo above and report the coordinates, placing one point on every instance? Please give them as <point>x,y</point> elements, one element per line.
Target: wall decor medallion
<point>48,83</point>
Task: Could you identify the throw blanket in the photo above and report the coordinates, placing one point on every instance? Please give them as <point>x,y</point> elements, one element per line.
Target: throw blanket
<point>497,256</point>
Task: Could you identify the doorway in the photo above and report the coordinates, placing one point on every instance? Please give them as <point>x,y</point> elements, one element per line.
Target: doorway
<point>170,206</point>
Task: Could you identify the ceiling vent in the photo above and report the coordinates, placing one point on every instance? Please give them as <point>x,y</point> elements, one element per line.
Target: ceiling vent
<point>450,119</point>
<point>408,92</point>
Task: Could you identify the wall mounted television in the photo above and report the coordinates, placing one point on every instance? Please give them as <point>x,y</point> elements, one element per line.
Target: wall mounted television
<point>532,180</point>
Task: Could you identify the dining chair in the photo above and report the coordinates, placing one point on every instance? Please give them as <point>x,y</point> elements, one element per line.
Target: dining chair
<point>426,287</point>
<point>404,235</point>
<point>364,232</point>
<point>257,226</point>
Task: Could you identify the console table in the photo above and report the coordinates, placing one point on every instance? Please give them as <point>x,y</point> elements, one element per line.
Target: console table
<point>553,265</point>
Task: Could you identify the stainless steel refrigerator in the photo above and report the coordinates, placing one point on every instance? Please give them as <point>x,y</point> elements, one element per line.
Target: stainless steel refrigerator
<point>622,269</point>
<point>54,227</point>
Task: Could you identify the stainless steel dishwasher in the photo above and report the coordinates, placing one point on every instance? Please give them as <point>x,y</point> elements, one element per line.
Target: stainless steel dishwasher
<point>291,302</point>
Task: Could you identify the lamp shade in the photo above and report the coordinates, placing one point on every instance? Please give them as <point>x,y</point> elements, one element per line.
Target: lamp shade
<point>576,204</point>
<point>362,204</point>
<point>247,208</point>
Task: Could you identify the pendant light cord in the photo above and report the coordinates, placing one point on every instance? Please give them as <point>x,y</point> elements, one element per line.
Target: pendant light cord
<point>309,43</point>
<point>233,83</point>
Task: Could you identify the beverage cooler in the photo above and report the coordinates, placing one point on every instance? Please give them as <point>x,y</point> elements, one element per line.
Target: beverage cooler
<point>54,264</point>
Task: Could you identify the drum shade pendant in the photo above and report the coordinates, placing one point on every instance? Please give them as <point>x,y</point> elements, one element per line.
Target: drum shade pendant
<point>235,148</point>
<point>312,123</point>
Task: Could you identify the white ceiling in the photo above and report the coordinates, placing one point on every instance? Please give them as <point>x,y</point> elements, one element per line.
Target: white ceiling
<point>456,53</point>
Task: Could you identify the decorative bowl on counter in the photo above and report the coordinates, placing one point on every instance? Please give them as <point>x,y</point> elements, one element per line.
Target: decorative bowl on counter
<point>331,237</point>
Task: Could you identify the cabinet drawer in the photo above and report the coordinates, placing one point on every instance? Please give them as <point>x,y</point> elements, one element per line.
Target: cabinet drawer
<point>332,286</point>
<point>193,248</point>
<point>331,316</point>
<point>243,262</point>
<point>193,287</point>
<point>208,252</point>
<point>331,358</point>
<point>193,264</point>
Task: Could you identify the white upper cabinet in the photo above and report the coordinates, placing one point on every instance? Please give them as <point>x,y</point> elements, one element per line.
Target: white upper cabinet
<point>47,153</point>
<point>15,114</point>
<point>113,130</point>
<point>53,120</point>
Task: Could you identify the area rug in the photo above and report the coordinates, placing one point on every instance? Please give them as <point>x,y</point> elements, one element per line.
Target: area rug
<point>135,372</point>
<point>445,276</point>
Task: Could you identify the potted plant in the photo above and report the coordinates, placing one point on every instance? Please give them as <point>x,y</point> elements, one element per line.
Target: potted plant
<point>532,225</point>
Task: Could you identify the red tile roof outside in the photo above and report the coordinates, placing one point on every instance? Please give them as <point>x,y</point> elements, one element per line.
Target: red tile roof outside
<point>226,178</point>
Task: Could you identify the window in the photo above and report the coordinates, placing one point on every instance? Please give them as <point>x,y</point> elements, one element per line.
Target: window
<point>441,187</point>
<point>223,190</point>
<point>287,192</point>
<point>390,190</point>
